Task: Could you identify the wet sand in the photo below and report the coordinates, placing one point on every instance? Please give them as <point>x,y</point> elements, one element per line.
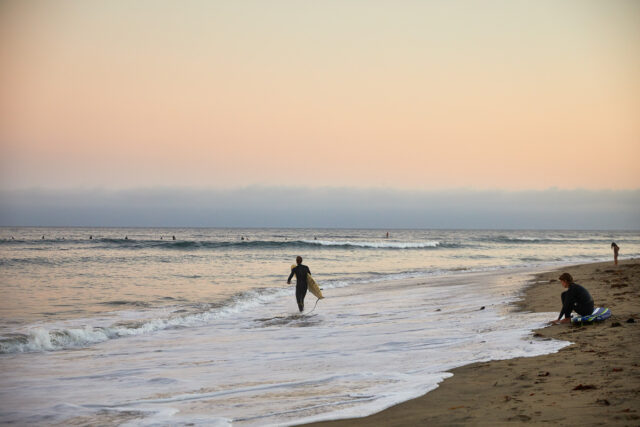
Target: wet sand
<point>595,381</point>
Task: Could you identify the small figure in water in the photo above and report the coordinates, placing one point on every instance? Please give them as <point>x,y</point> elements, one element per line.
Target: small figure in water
<point>387,234</point>
<point>91,237</point>
<point>616,249</point>
<point>126,237</point>
<point>242,238</point>
<point>574,298</point>
<point>174,237</point>
<point>43,237</point>
<point>301,272</point>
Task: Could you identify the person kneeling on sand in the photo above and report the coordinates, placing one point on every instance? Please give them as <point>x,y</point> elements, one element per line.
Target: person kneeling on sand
<point>574,298</point>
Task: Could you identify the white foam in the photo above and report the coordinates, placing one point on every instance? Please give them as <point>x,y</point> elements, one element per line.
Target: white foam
<point>86,332</point>
<point>62,336</point>
<point>366,347</point>
<point>376,245</point>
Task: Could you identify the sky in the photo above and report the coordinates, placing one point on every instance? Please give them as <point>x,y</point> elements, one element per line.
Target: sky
<point>514,96</point>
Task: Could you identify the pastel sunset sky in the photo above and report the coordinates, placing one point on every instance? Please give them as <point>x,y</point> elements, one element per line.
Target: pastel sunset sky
<point>415,95</point>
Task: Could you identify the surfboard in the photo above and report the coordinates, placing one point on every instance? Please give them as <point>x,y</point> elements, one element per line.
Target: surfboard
<point>312,285</point>
<point>598,315</point>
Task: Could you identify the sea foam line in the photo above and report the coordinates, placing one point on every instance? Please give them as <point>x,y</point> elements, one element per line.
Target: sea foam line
<point>208,244</point>
<point>375,245</point>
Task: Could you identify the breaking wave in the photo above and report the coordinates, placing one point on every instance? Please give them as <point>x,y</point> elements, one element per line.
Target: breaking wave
<point>374,245</point>
<point>51,339</point>
<point>240,244</point>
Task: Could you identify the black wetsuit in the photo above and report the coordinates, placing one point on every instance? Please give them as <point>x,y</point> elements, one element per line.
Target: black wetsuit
<point>576,298</point>
<point>301,272</point>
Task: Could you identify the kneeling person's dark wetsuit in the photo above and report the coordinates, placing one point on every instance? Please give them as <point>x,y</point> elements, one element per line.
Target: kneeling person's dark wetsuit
<point>576,298</point>
<point>301,272</point>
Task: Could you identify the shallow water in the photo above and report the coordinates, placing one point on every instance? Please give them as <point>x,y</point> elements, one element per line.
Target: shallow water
<point>67,275</point>
<point>205,329</point>
<point>364,348</point>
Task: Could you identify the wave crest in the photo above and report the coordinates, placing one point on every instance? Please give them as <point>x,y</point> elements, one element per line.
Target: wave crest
<point>254,244</point>
<point>375,245</point>
<point>42,339</point>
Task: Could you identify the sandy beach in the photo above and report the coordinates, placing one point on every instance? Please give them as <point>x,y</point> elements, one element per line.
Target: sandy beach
<point>594,381</point>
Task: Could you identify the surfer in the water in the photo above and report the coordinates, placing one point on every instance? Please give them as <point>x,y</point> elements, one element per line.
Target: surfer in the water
<point>301,272</point>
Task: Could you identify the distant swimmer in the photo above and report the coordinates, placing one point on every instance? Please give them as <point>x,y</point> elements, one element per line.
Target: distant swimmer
<point>174,237</point>
<point>126,237</point>
<point>43,237</point>
<point>91,237</point>
<point>301,272</point>
<point>242,238</point>
<point>616,249</point>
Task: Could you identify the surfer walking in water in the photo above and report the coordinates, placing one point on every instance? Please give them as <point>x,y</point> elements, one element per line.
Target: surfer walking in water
<point>301,271</point>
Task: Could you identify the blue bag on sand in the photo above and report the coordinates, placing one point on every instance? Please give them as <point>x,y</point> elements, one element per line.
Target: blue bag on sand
<point>598,315</point>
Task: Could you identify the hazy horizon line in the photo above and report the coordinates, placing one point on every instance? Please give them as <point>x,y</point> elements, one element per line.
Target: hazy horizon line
<point>301,207</point>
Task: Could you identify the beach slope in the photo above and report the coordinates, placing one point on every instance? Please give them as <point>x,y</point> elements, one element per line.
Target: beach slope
<point>595,381</point>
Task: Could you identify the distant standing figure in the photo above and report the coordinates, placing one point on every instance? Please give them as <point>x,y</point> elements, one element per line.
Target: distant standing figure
<point>174,237</point>
<point>387,234</point>
<point>43,237</point>
<point>91,237</point>
<point>301,272</point>
<point>616,249</point>
<point>574,298</point>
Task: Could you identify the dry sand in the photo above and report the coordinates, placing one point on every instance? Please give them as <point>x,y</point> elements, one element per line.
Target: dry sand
<point>595,381</point>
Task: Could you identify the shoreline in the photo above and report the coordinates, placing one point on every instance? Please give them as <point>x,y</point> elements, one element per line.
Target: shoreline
<point>593,381</point>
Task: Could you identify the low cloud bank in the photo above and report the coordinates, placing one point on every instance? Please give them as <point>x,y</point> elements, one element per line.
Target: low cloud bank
<point>322,207</point>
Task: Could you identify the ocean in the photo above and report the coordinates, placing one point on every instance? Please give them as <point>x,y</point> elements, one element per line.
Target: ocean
<point>166,326</point>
